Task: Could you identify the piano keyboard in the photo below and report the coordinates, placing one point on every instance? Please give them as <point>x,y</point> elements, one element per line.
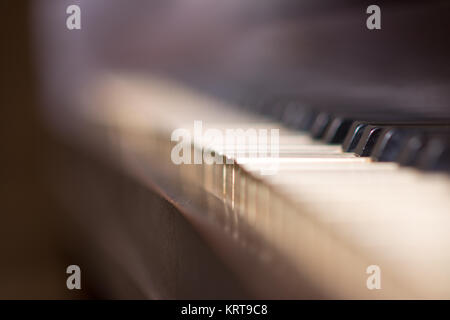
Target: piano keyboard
<point>350,190</point>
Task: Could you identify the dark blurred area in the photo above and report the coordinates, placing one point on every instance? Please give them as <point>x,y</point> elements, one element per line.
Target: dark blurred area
<point>33,259</point>
<point>319,51</point>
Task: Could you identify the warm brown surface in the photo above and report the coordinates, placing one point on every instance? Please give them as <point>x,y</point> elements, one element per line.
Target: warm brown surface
<point>31,261</point>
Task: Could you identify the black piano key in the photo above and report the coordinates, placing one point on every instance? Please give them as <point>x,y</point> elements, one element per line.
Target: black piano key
<point>365,133</point>
<point>389,144</point>
<point>368,140</point>
<point>393,139</point>
<point>381,141</point>
<point>298,116</point>
<point>308,120</point>
<point>409,153</point>
<point>341,124</point>
<point>354,135</point>
<point>356,130</point>
<point>337,130</point>
<point>320,124</point>
<point>271,107</point>
<point>436,155</point>
<point>332,126</point>
<point>348,129</point>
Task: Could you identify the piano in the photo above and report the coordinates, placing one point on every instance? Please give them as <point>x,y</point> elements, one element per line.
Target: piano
<point>353,204</point>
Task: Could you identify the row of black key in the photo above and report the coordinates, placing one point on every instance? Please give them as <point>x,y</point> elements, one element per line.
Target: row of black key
<point>417,140</point>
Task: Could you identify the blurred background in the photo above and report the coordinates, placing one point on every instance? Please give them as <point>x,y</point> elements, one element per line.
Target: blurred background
<point>33,259</point>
